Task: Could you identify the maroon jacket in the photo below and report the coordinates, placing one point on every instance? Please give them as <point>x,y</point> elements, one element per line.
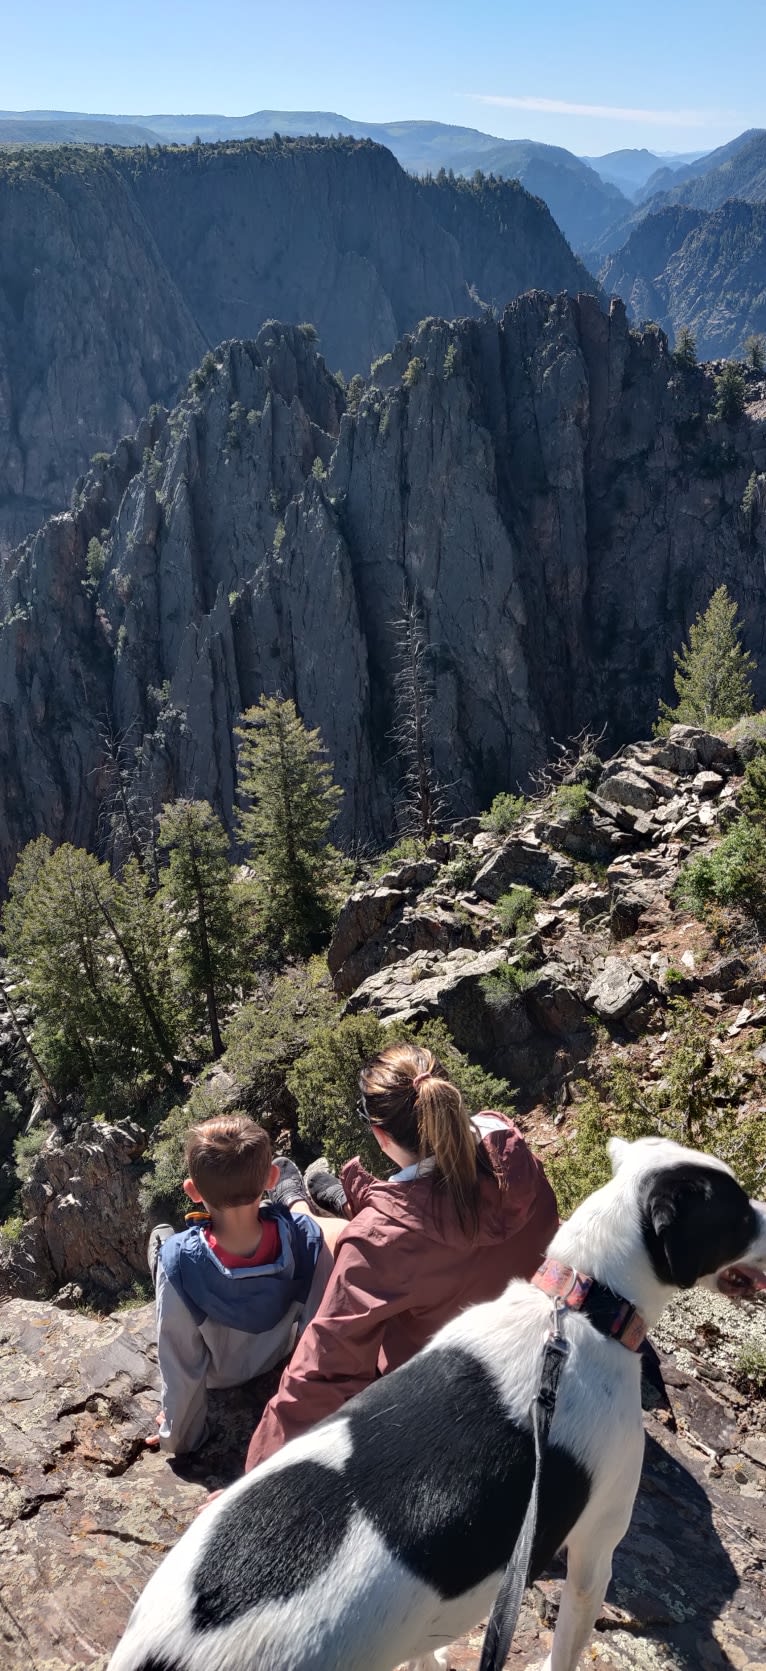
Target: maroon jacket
<point>403,1268</point>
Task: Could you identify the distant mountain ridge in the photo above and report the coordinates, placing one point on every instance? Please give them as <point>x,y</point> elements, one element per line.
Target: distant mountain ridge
<point>119,267</point>
<point>684,266</point>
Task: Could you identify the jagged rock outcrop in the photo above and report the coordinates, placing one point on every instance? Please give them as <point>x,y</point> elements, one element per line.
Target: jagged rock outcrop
<point>214,241</point>
<point>82,1220</point>
<point>534,480</point>
<point>86,1513</point>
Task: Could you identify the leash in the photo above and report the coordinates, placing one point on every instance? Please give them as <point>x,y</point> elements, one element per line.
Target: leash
<point>505,1613</point>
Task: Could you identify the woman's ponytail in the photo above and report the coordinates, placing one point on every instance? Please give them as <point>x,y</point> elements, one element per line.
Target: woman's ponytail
<point>409,1094</point>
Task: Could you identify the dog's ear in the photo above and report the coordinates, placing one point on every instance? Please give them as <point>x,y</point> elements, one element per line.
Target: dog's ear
<point>696,1219</point>
<point>618,1152</point>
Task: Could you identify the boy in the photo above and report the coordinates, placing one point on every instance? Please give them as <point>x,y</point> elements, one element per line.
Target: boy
<point>234,1290</point>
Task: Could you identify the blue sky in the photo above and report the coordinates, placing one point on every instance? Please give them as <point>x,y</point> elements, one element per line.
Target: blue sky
<point>670,74</point>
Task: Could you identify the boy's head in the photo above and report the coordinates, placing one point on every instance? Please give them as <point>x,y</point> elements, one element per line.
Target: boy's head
<point>228,1161</point>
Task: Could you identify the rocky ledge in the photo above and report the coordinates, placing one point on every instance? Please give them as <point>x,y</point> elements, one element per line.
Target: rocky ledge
<point>86,1513</point>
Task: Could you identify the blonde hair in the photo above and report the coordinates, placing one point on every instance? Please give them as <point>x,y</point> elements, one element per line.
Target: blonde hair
<point>228,1159</point>
<point>408,1094</point>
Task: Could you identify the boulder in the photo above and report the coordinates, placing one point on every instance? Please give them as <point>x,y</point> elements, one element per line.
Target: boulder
<point>431,928</point>
<point>629,789</point>
<point>522,862</point>
<point>617,989</point>
<point>554,1001</point>
<point>363,915</point>
<point>710,749</point>
<point>708,783</point>
<point>677,757</point>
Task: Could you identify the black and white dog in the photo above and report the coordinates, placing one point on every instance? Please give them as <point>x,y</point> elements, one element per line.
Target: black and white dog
<point>382,1534</point>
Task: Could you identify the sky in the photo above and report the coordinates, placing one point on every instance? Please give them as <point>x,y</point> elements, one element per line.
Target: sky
<point>672,75</point>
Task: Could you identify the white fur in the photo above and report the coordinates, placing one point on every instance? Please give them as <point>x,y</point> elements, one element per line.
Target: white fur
<point>367,1611</point>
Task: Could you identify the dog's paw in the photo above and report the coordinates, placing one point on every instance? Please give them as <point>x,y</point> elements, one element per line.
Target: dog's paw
<point>440,1660</point>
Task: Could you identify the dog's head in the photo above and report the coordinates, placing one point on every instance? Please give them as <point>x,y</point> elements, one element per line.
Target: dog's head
<point>697,1223</point>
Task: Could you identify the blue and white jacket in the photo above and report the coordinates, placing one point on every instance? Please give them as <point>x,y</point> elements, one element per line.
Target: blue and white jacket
<point>218,1327</point>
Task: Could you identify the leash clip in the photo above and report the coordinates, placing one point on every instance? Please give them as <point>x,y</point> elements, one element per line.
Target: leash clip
<point>555,1338</point>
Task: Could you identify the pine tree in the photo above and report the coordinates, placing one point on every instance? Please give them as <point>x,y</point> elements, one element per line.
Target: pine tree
<point>712,677</point>
<point>755,357</point>
<point>198,892</point>
<point>292,801</point>
<point>729,393</point>
<point>413,729</point>
<point>685,351</point>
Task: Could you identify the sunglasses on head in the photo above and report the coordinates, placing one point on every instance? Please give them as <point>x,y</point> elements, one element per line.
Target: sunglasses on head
<point>363,1113</point>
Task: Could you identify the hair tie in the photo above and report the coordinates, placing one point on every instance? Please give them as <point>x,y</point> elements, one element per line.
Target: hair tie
<point>419,1077</point>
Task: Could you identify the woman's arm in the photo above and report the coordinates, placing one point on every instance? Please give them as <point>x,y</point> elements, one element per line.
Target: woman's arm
<point>338,1353</point>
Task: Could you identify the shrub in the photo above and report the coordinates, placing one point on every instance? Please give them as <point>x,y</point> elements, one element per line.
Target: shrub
<point>516,910</point>
<point>409,850</point>
<point>509,980</point>
<point>450,360</point>
<point>161,1194</point>
<point>733,874</point>
<point>413,372</point>
<point>570,800</point>
<point>504,813</point>
<point>697,1102</point>
<point>318,470</point>
<point>94,561</point>
<point>460,871</point>
<point>267,1036</point>
<point>750,1370</point>
<point>11,1229</point>
<point>27,1148</point>
<point>754,353</point>
<point>325,1084</point>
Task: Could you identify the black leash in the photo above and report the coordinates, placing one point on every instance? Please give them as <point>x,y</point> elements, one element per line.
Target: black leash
<point>505,1613</point>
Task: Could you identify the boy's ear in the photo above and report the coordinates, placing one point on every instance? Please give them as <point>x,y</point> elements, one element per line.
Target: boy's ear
<point>191,1190</point>
<point>273,1177</point>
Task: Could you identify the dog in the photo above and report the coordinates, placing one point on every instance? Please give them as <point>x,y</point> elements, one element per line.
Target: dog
<point>382,1534</point>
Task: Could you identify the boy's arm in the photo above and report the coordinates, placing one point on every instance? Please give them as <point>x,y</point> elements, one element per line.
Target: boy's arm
<point>184,1360</point>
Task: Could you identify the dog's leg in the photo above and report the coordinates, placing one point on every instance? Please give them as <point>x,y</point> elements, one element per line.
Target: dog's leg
<point>589,1569</point>
<point>438,1661</point>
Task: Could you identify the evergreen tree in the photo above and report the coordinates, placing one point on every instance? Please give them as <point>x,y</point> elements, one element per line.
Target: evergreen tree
<point>712,677</point>
<point>292,802</point>
<point>755,358</point>
<point>729,393</point>
<point>685,351</point>
<point>413,728</point>
<point>198,891</point>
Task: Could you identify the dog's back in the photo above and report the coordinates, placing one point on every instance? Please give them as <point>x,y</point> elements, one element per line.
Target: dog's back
<point>381,1534</point>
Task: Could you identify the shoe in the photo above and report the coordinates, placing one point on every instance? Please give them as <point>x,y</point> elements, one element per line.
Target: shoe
<point>325,1189</point>
<point>289,1187</point>
<point>157,1236</point>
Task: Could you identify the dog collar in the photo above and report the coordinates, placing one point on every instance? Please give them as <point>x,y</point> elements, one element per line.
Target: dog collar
<point>612,1316</point>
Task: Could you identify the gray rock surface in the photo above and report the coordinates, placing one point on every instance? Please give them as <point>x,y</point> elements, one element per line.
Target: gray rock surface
<point>617,989</point>
<point>519,863</point>
<point>265,541</point>
<point>86,1513</point>
<point>214,241</point>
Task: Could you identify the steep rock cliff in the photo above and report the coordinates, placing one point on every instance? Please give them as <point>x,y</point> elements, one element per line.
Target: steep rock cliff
<point>683,266</point>
<point>546,484</point>
<point>117,269</point>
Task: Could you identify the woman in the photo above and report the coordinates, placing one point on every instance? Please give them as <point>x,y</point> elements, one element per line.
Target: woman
<point>467,1209</point>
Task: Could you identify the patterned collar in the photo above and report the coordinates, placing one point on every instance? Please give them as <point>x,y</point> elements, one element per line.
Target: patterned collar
<point>614,1317</point>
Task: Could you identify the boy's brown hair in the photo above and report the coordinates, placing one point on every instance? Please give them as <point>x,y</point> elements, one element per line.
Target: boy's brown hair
<point>228,1160</point>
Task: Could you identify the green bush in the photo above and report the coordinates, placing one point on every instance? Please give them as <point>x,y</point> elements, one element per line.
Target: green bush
<point>733,874</point>
<point>504,813</point>
<point>750,1370</point>
<point>729,393</point>
<point>460,871</point>
<point>697,1103</point>
<point>407,851</point>
<point>570,800</point>
<point>27,1148</point>
<point>509,980</point>
<point>413,372</point>
<point>325,1084</point>
<point>450,360</point>
<point>268,1035</point>
<point>161,1195</point>
<point>516,910</point>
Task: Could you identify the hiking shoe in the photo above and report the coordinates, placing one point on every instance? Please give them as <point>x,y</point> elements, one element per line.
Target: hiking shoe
<point>157,1236</point>
<point>289,1187</point>
<point>325,1189</point>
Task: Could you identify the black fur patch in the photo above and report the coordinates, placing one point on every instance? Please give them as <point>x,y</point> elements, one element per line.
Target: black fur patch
<point>161,1664</point>
<point>695,1220</point>
<point>438,1468</point>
